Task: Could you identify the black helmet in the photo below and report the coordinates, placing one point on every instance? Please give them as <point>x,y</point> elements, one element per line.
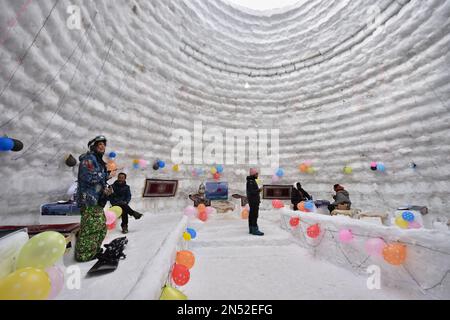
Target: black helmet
<point>95,140</point>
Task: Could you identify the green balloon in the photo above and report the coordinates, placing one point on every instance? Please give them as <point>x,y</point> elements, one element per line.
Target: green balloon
<point>348,170</point>
<point>42,250</point>
<point>170,293</point>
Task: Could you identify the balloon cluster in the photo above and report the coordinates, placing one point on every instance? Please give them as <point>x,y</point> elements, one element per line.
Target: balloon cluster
<point>394,253</point>
<point>279,173</point>
<point>35,276</point>
<point>306,167</point>
<point>189,234</point>
<point>306,206</point>
<point>407,221</point>
<point>203,212</point>
<point>158,164</point>
<point>377,166</point>
<point>8,144</point>
<point>216,171</point>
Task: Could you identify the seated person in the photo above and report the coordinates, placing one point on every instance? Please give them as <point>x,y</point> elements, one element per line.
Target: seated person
<point>342,197</point>
<point>121,197</point>
<point>200,197</point>
<point>298,195</point>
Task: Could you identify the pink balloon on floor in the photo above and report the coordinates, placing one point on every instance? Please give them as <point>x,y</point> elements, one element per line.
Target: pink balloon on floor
<point>374,247</point>
<point>414,225</point>
<point>190,211</point>
<point>56,276</point>
<point>110,217</point>
<point>345,236</point>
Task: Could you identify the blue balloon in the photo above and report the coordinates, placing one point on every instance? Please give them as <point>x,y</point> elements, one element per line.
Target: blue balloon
<point>161,164</point>
<point>408,216</point>
<point>192,233</point>
<point>135,165</point>
<point>112,155</point>
<point>6,144</point>
<point>381,167</point>
<point>280,172</point>
<point>219,168</point>
<point>309,205</point>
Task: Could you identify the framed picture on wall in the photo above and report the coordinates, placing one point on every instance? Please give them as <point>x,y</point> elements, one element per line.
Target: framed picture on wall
<point>155,188</point>
<point>280,192</point>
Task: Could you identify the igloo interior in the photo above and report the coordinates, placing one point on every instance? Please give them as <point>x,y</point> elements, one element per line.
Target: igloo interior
<point>337,83</point>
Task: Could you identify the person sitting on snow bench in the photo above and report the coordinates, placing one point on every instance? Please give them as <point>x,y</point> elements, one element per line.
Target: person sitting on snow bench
<point>341,199</point>
<point>121,197</point>
<point>199,197</point>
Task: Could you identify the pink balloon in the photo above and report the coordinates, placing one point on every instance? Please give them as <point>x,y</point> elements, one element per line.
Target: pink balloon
<point>275,178</point>
<point>210,210</point>
<point>374,247</point>
<point>56,276</point>
<point>345,235</point>
<point>373,164</point>
<point>110,217</point>
<point>414,225</point>
<point>143,163</point>
<point>190,211</point>
<point>308,162</point>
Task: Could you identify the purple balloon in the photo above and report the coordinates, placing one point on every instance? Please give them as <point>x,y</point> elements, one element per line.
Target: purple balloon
<point>190,211</point>
<point>56,276</point>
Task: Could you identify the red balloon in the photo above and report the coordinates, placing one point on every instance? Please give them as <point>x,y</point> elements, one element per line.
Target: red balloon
<point>313,231</point>
<point>294,222</point>
<point>203,216</point>
<point>180,274</point>
<point>111,226</point>
<point>277,204</point>
<point>216,176</point>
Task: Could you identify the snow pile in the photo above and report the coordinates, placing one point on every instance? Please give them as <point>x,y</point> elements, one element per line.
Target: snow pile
<point>427,264</point>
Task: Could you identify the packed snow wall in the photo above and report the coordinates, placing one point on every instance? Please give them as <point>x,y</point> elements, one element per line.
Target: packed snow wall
<point>345,83</point>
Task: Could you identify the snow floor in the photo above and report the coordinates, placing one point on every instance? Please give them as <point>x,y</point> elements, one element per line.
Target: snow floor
<point>230,264</point>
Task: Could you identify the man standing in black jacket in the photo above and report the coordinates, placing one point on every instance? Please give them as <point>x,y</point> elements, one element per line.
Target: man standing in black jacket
<point>121,197</point>
<point>298,195</point>
<point>253,200</point>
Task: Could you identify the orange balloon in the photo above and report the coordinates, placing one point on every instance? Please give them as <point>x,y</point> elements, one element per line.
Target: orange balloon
<point>111,166</point>
<point>185,258</point>
<point>301,206</point>
<point>395,253</point>
<point>303,168</point>
<point>244,214</point>
<point>201,207</point>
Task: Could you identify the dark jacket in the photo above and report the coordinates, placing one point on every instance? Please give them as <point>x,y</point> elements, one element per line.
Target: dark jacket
<point>298,196</point>
<point>252,191</point>
<point>121,194</point>
<point>92,177</point>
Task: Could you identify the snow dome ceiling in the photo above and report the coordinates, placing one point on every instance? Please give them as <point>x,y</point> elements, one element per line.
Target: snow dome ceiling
<point>345,82</point>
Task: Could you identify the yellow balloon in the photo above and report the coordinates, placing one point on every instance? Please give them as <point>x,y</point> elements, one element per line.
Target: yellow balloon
<point>401,223</point>
<point>25,284</point>
<point>258,181</point>
<point>170,293</point>
<point>311,170</point>
<point>42,250</point>
<point>348,170</point>
<point>176,168</point>
<point>117,210</point>
<point>213,170</point>
<point>187,236</point>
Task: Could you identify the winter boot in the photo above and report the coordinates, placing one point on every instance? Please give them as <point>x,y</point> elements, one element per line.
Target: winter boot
<point>255,231</point>
<point>137,215</point>
<point>125,229</point>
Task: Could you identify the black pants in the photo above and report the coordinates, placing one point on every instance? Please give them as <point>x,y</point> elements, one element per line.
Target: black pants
<point>295,206</point>
<point>331,207</point>
<point>126,211</point>
<point>253,215</point>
